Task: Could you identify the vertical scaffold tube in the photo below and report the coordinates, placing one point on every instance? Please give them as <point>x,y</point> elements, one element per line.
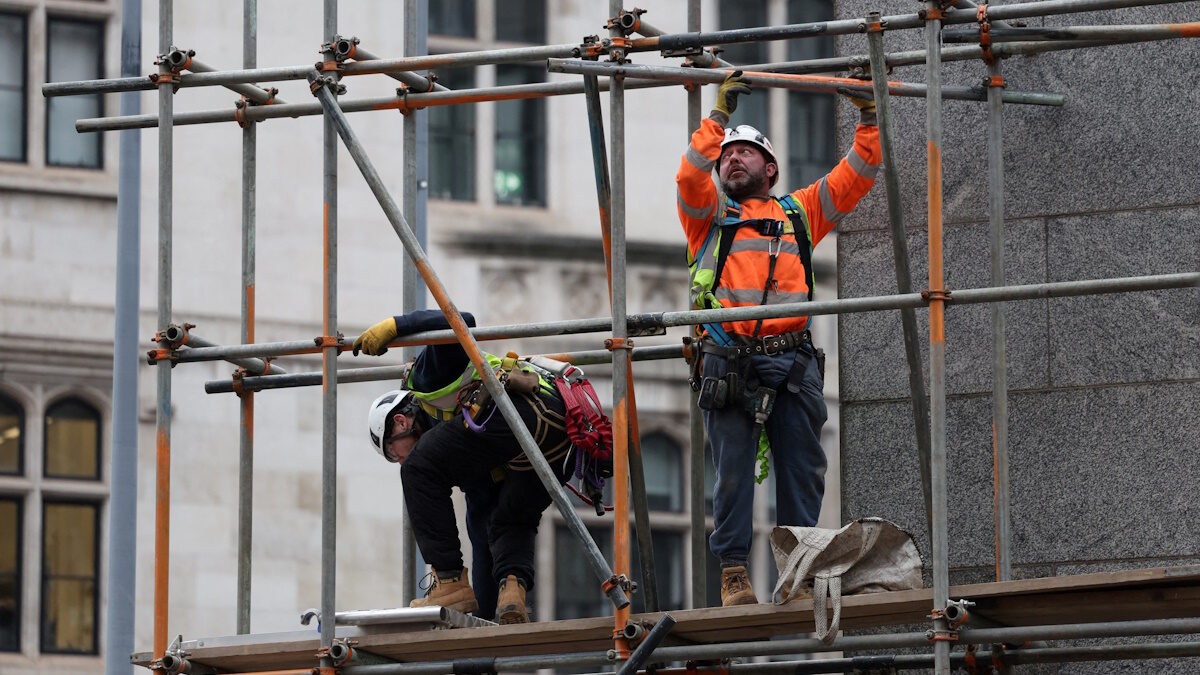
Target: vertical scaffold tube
<point>908,317</point>
<point>637,477</point>
<point>246,439</point>
<point>121,582</point>
<point>937,337</point>
<point>999,346</point>
<point>616,100</point>
<point>695,420</point>
<point>162,478</point>
<point>329,361</point>
<point>461,333</point>
<point>412,292</point>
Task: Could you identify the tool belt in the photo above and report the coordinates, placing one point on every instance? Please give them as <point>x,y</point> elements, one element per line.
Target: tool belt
<point>764,346</point>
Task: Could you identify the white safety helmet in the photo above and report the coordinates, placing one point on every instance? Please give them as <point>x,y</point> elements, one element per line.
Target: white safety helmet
<point>744,133</point>
<point>394,401</point>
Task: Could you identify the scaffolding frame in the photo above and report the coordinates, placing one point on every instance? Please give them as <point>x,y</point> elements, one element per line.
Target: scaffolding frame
<point>342,57</point>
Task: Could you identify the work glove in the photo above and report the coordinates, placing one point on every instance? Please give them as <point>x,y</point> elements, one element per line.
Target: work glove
<point>733,86</point>
<point>374,340</point>
<point>862,100</point>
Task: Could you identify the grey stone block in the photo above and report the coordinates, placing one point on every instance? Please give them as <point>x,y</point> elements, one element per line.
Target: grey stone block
<point>1126,337</point>
<point>1111,146</point>
<point>873,364</point>
<point>1104,474</point>
<point>881,475</point>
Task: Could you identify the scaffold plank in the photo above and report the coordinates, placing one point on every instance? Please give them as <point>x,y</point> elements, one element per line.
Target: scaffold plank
<point>1088,598</point>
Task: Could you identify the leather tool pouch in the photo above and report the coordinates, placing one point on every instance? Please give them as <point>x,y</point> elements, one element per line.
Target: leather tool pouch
<point>521,382</point>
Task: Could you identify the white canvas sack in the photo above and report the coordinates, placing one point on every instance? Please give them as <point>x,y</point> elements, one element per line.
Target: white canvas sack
<point>869,555</point>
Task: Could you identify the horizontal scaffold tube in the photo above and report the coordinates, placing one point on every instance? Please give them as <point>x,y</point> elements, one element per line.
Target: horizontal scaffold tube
<point>404,103</point>
<point>657,43</point>
<point>1009,635</point>
<point>416,101</point>
<point>1160,31</point>
<point>380,373</point>
<point>639,323</point>
<point>820,83</point>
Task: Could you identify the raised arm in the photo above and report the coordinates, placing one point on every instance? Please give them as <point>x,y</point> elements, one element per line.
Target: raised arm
<point>830,199</point>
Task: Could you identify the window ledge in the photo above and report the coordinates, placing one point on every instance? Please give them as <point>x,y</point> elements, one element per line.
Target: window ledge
<point>94,183</point>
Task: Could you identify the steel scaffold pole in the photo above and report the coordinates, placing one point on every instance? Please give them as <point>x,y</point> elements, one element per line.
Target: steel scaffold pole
<point>329,352</point>
<point>415,173</point>
<point>696,438</point>
<point>162,478</point>
<point>462,333</point>
<point>246,436</point>
<point>999,345</point>
<point>937,339</point>
<point>620,336</point>
<point>121,579</point>
<point>908,317</point>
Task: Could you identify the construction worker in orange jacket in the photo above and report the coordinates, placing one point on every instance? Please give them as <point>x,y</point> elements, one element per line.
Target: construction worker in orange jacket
<point>760,381</point>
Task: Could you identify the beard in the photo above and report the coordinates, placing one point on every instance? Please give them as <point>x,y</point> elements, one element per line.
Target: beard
<point>745,185</point>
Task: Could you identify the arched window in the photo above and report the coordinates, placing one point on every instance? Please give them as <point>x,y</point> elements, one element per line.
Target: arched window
<point>72,440</point>
<point>12,436</point>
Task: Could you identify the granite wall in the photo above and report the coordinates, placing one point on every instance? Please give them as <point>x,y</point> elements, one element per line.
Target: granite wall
<point>1104,391</point>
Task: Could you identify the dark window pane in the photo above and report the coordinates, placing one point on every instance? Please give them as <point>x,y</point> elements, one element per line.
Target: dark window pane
<point>752,109</point>
<point>810,11</point>
<point>69,568</point>
<point>668,571</point>
<point>72,440</point>
<point>520,172</point>
<point>521,21</point>
<point>811,153</point>
<point>75,51</point>
<point>452,141</point>
<point>576,593</point>
<point>452,17</point>
<point>10,575</point>
<point>664,474</point>
<point>12,436</point>
<point>12,87</point>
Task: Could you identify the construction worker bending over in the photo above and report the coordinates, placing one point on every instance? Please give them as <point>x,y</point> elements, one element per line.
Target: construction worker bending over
<point>424,427</point>
<point>760,381</point>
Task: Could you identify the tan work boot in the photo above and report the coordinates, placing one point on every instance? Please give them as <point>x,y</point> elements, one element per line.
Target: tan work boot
<point>453,593</point>
<point>735,587</point>
<point>510,605</point>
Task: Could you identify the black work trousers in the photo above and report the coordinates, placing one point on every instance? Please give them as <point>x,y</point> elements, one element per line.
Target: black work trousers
<point>452,455</point>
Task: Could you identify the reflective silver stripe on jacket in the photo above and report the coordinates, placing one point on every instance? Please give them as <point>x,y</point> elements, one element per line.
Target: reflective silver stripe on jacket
<point>754,295</point>
<point>860,165</point>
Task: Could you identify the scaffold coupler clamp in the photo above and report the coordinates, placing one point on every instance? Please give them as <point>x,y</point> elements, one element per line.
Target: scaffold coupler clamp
<point>342,47</point>
<point>956,613</point>
<point>643,325</point>
<point>935,13</point>
<point>170,65</point>
<point>613,344</point>
<point>339,653</point>
<point>324,341</point>
<point>315,82</point>
<point>630,587</point>
<point>634,632</point>
<point>940,295</point>
<point>174,659</point>
<point>239,378</point>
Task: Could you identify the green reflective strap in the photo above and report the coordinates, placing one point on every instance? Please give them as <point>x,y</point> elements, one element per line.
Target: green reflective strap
<point>764,465</point>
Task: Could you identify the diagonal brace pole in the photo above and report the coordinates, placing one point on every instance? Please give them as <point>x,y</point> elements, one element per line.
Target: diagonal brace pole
<point>908,316</point>
<point>499,395</point>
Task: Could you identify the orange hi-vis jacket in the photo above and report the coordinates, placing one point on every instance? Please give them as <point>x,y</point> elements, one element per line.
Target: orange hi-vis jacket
<point>746,270</point>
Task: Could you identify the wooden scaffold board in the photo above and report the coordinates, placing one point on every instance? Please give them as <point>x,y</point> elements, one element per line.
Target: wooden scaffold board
<point>1110,596</point>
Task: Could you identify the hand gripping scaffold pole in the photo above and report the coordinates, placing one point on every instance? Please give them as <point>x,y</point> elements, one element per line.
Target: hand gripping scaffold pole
<point>582,59</point>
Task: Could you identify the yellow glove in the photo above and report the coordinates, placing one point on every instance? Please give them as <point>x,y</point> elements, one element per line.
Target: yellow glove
<point>862,100</point>
<point>733,86</point>
<point>374,340</point>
